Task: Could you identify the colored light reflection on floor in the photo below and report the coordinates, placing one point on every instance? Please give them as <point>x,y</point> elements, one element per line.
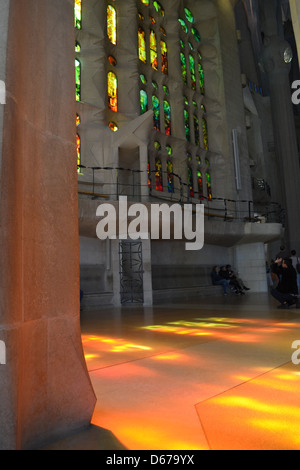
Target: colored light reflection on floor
<point>219,328</point>
<point>182,384</point>
<point>103,344</point>
<point>265,411</point>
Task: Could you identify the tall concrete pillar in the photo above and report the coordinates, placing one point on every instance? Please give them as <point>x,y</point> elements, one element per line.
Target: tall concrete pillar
<point>295,12</point>
<point>45,389</point>
<point>276,57</point>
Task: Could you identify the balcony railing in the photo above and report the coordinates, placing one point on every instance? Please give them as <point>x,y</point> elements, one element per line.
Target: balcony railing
<point>127,182</point>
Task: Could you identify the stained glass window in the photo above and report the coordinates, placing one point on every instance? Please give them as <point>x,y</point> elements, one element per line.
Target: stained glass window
<point>205,134</point>
<point>189,15</point>
<point>169,150</point>
<point>183,25</point>
<point>157,146</point>
<point>77,47</point>
<point>156,112</point>
<point>196,130</point>
<point>201,78</point>
<point>153,50</point>
<point>112,87</point>
<point>196,34</point>
<point>149,175</point>
<point>78,14</point>
<point>208,183</point>
<point>78,150</point>
<point>142,45</point>
<point>113,126</point>
<point>187,125</point>
<point>78,79</point>
<point>200,184</point>
<point>183,67</point>
<point>164,57</point>
<point>78,120</point>
<point>170,176</point>
<point>143,79</point>
<point>167,117</point>
<point>158,7</point>
<point>144,101</point>
<point>145,2</point>
<point>158,175</point>
<point>112,60</point>
<point>190,182</point>
<point>112,24</point>
<point>192,71</point>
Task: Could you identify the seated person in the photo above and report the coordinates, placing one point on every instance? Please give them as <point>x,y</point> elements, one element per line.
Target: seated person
<point>217,280</point>
<point>225,274</point>
<point>286,291</point>
<point>232,275</point>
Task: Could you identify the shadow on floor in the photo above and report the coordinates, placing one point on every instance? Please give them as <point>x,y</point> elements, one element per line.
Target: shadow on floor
<point>92,438</point>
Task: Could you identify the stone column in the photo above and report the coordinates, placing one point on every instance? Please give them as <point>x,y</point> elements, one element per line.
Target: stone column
<point>250,263</point>
<point>295,12</point>
<point>45,389</point>
<point>276,64</point>
<point>143,151</point>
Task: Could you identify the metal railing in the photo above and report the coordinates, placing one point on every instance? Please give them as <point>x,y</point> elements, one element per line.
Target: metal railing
<point>126,182</point>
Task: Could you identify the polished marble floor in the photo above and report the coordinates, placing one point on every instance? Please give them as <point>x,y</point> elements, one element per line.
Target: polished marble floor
<point>208,374</point>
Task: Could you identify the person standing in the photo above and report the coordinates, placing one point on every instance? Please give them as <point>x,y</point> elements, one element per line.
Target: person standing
<point>286,291</point>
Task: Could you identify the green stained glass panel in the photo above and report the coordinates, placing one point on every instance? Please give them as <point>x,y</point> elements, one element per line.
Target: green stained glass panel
<point>205,134</point>
<point>78,79</point>
<point>158,7</point>
<point>156,112</point>
<point>170,176</point>
<point>201,78</point>
<point>187,125</point>
<point>192,71</point>
<point>189,15</point>
<point>167,117</point>
<point>143,101</point>
<point>183,25</point>
<point>183,67</point>
<point>196,34</point>
<point>143,79</point>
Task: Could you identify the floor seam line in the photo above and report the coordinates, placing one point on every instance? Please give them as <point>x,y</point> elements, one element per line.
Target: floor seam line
<point>242,383</point>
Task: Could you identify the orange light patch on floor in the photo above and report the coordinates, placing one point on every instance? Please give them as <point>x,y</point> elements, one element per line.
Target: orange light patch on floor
<point>262,414</point>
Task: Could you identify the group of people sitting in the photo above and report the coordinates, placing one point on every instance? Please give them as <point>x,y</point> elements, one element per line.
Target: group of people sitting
<point>285,269</point>
<point>224,276</point>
